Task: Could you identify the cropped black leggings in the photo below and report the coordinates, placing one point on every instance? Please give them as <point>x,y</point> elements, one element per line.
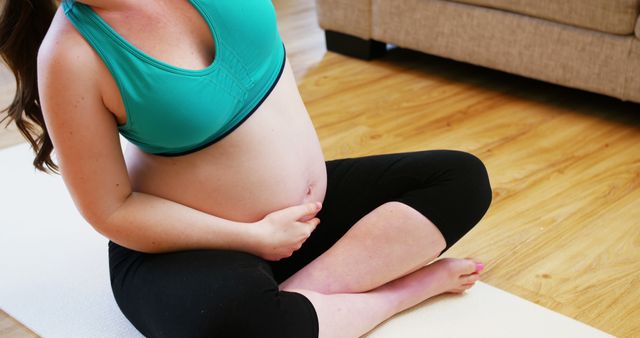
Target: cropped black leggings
<point>223,293</point>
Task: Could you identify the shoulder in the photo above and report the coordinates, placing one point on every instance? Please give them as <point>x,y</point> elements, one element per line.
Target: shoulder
<point>65,55</point>
<point>69,77</point>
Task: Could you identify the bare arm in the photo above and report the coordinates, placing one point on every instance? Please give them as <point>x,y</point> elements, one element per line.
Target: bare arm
<point>148,223</point>
<point>87,145</point>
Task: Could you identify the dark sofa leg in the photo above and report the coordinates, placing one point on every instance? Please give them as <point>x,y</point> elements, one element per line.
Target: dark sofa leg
<point>354,46</point>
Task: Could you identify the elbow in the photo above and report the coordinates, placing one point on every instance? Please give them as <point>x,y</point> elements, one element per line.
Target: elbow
<point>98,221</point>
<point>109,225</point>
<point>114,224</point>
<point>101,219</point>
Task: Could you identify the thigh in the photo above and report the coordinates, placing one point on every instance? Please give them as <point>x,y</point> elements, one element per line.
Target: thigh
<point>206,293</point>
<point>450,188</point>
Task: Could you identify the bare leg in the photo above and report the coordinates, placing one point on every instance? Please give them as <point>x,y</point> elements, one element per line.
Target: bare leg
<point>349,315</point>
<point>391,241</point>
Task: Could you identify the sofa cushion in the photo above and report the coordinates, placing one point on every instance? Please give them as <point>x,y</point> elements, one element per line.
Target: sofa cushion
<point>638,28</point>
<point>609,16</point>
<point>519,44</point>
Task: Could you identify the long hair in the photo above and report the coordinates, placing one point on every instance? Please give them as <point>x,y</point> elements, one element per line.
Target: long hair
<point>23,25</point>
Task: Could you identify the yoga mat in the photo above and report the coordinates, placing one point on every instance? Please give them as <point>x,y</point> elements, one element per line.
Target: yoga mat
<point>55,279</point>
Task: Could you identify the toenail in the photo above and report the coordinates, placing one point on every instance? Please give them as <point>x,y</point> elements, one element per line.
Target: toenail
<point>479,267</point>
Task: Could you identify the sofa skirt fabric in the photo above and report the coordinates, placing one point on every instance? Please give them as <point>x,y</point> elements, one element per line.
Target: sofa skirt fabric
<point>608,16</point>
<point>351,17</point>
<point>515,43</point>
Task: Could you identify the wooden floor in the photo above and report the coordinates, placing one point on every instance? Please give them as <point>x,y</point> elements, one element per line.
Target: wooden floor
<point>564,227</point>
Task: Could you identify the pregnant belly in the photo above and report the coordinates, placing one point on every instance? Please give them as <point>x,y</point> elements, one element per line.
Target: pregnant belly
<point>242,186</point>
<point>244,192</point>
<point>272,161</point>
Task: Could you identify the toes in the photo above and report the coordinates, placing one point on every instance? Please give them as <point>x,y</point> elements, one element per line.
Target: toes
<point>470,278</point>
<point>466,266</point>
<point>462,288</point>
<point>477,266</point>
<point>461,267</point>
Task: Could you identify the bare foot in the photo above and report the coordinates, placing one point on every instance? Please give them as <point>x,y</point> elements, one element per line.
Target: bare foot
<point>447,275</point>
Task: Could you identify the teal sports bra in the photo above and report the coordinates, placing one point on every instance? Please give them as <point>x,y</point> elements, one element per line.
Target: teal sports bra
<point>175,111</point>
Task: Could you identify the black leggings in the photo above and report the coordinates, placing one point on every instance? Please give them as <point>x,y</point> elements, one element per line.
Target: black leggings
<point>224,293</point>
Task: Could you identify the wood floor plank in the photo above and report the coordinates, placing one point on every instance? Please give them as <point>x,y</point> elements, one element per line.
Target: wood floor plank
<point>10,328</point>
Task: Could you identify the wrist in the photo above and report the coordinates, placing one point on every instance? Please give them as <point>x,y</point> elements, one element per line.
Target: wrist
<point>253,238</point>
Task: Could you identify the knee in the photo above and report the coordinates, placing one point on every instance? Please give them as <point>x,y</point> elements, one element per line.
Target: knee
<point>466,195</point>
<point>472,174</point>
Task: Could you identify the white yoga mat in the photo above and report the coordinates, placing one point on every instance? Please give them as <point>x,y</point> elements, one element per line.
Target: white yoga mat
<point>55,278</point>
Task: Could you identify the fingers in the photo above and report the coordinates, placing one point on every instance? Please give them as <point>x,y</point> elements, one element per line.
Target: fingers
<point>300,211</point>
<point>313,222</point>
<point>309,226</point>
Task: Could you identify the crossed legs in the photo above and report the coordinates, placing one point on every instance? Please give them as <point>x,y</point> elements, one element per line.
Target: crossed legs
<point>389,242</point>
<point>379,266</point>
<point>349,284</point>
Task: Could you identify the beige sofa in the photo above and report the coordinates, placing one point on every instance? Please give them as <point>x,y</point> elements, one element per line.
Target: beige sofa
<point>592,45</point>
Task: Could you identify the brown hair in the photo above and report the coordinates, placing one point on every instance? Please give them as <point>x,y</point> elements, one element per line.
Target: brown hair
<point>23,25</point>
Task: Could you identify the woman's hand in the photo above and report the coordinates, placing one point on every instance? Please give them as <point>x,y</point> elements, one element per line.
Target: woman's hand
<point>282,232</point>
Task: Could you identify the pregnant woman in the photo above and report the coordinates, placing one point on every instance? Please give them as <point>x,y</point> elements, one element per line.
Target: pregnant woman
<point>213,211</point>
